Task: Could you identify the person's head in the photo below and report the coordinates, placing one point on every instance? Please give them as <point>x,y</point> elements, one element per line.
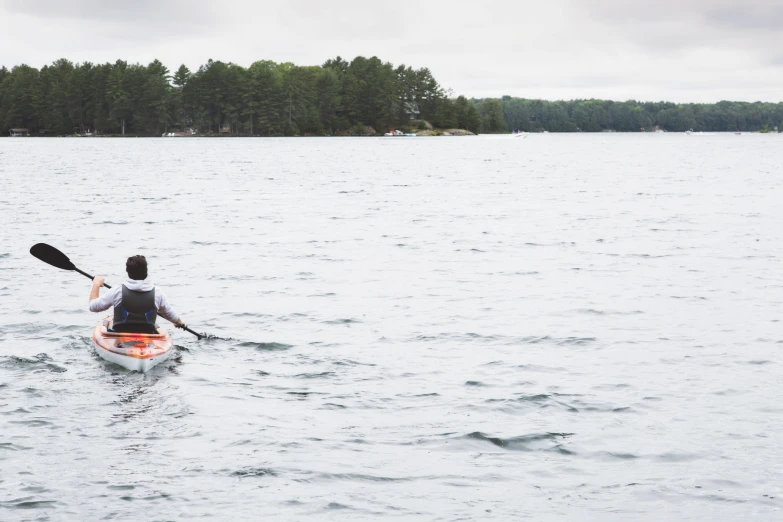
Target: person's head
<point>136,267</point>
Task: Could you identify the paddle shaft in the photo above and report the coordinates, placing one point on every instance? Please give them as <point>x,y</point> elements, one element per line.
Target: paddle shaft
<point>88,275</point>
<point>198,335</point>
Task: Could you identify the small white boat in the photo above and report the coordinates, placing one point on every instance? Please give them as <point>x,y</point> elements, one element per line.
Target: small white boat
<point>135,351</point>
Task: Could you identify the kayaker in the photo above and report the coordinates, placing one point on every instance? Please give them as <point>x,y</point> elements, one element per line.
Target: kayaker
<point>136,302</point>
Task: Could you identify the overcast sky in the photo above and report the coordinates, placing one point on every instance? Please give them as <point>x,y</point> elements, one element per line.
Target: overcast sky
<point>678,50</point>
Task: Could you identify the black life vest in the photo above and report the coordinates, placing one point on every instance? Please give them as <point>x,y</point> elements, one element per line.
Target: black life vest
<point>136,312</point>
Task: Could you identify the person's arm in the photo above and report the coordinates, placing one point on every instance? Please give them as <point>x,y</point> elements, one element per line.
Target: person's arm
<point>97,283</point>
<point>167,312</point>
<point>98,303</point>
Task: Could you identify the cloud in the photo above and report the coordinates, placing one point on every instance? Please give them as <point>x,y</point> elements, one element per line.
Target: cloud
<point>666,24</point>
<point>123,13</point>
<point>700,50</point>
<point>767,16</point>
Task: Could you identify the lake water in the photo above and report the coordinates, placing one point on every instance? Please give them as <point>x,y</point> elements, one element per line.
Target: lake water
<point>557,327</point>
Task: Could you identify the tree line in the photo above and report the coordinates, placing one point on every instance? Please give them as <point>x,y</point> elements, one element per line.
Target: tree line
<point>336,98</point>
<point>508,114</point>
<point>265,99</point>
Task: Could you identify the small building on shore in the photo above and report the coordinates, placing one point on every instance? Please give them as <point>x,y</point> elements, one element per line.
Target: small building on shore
<point>20,133</point>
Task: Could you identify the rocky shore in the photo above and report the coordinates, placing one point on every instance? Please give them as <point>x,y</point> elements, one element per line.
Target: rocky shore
<point>429,131</point>
<point>444,132</point>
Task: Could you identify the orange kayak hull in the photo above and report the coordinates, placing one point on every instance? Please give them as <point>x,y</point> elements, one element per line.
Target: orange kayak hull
<point>133,351</point>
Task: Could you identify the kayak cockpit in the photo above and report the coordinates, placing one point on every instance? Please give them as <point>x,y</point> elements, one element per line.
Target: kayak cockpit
<point>134,351</point>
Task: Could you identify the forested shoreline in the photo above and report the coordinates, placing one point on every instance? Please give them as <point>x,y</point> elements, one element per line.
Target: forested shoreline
<point>507,113</point>
<point>265,99</point>
<point>361,97</point>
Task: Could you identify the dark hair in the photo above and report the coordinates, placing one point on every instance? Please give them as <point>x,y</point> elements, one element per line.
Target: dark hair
<point>136,267</point>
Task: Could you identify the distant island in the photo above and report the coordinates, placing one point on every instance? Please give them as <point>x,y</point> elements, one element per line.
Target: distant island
<point>363,97</point>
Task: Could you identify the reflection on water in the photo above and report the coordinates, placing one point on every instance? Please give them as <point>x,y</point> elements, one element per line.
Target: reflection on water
<point>557,328</point>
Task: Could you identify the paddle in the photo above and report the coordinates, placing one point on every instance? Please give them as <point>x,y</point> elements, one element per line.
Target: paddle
<point>50,255</point>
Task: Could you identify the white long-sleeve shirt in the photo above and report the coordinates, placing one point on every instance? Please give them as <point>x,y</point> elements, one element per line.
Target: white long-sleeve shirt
<point>114,297</point>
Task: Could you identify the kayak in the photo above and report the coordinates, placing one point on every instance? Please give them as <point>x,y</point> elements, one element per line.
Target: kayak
<point>135,351</point>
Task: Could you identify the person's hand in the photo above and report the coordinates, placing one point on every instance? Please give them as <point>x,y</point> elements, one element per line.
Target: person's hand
<point>98,281</point>
<point>180,323</point>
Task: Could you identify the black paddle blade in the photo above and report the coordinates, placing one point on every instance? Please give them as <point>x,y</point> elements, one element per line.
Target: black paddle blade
<point>49,254</point>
